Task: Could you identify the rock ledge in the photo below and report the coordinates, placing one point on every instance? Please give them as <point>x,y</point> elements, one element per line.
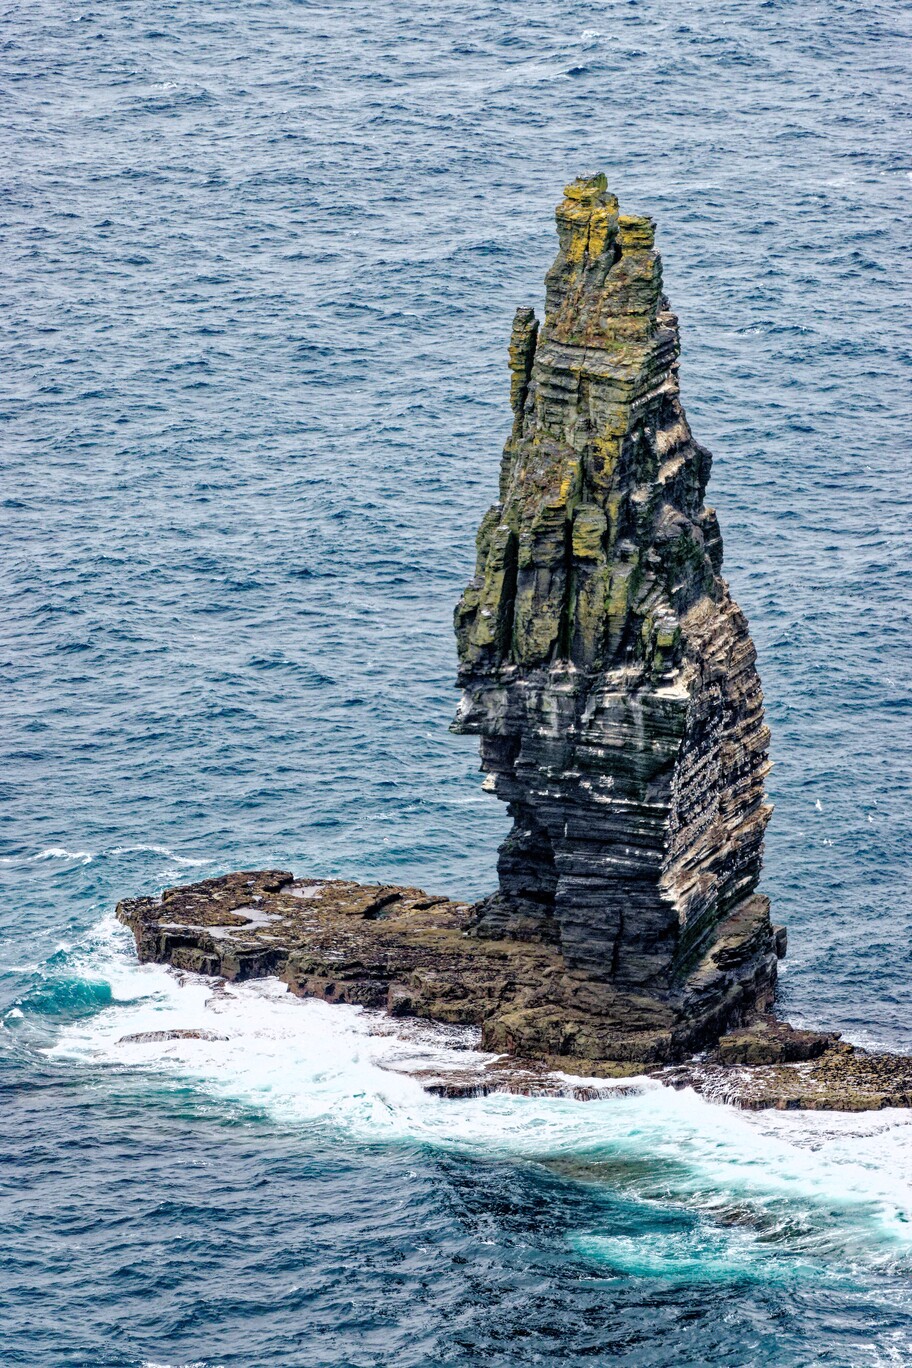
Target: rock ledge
<point>410,953</point>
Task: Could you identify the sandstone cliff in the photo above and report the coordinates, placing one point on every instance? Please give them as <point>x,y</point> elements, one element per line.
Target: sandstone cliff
<point>603,661</point>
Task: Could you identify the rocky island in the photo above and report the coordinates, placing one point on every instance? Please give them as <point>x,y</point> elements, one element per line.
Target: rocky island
<point>611,679</point>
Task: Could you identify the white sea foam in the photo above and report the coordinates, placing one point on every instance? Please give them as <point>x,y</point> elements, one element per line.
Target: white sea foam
<point>198,1363</point>
<point>87,856</point>
<point>844,1182</point>
<point>161,850</point>
<point>61,853</point>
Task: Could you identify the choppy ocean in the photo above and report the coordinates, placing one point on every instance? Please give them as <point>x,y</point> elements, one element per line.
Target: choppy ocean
<point>260,264</point>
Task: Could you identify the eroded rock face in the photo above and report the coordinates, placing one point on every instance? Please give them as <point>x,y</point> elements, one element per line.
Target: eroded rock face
<point>604,664</point>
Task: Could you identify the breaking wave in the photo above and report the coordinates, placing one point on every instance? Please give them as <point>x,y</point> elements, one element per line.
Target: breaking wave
<point>775,1195</point>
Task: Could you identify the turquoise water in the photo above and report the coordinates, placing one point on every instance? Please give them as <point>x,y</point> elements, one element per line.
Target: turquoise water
<point>262,262</point>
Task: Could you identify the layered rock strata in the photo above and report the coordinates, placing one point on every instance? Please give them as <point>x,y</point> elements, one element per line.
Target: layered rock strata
<point>604,664</point>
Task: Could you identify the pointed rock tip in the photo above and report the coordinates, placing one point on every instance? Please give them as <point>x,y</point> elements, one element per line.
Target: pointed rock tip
<point>588,189</point>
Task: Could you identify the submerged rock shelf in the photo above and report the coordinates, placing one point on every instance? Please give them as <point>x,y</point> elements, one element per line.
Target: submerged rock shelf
<point>611,679</point>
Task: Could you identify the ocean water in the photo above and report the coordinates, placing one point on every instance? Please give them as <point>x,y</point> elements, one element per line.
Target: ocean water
<point>260,264</point>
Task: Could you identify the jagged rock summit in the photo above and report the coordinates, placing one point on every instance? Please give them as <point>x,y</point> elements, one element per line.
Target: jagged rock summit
<point>604,664</point>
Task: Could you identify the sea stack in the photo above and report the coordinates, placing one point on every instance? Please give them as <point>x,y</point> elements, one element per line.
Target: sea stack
<point>612,681</point>
<point>604,664</point>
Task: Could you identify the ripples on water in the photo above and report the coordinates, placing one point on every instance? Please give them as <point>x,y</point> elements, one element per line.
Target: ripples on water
<point>261,266</point>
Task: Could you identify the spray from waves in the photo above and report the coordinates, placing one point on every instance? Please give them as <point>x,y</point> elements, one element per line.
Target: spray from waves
<point>717,1193</point>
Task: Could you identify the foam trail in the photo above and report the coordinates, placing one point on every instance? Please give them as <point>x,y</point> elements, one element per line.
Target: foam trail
<point>160,850</point>
<point>832,1187</point>
<point>87,856</point>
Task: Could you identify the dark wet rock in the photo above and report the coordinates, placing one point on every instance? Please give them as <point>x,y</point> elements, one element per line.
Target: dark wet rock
<point>153,1037</point>
<point>518,1080</point>
<point>842,1078</point>
<point>772,1042</point>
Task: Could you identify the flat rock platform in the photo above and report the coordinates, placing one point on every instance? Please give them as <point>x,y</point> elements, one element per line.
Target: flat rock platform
<point>411,954</point>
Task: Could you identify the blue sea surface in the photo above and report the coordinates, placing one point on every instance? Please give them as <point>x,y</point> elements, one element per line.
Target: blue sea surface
<point>260,265</point>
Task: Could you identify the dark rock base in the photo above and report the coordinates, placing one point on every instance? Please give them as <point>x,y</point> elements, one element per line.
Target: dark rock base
<point>411,954</point>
